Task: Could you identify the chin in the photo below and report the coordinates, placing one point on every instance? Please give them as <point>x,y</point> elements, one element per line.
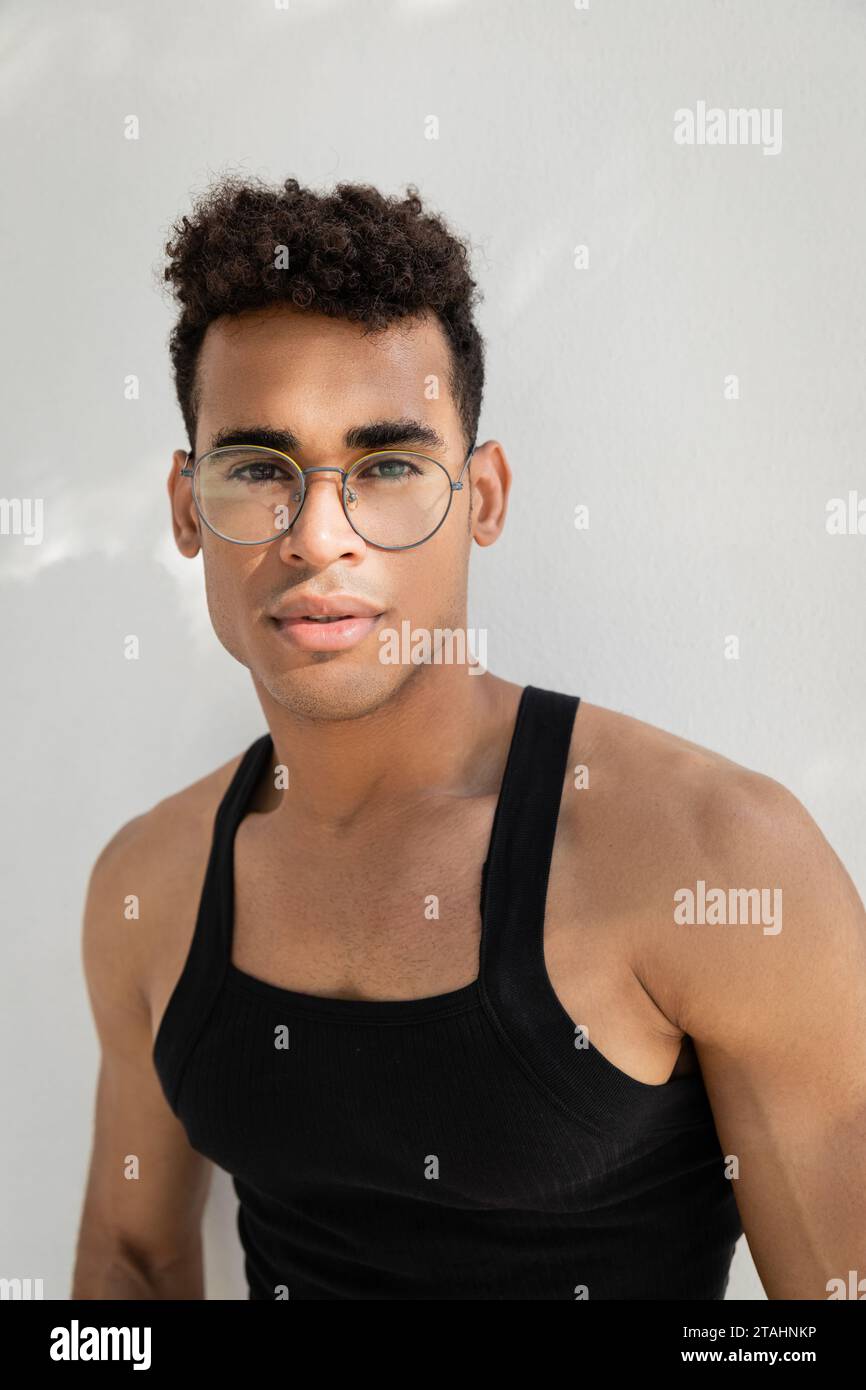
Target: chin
<point>331,689</point>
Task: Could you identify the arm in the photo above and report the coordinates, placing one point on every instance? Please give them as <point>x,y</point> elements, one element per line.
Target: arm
<point>779,1023</point>
<point>139,1238</point>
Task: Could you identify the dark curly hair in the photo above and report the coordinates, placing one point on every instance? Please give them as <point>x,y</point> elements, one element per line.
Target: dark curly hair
<point>352,253</point>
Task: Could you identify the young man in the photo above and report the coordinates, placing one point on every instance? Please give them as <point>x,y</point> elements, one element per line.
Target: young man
<point>478,991</point>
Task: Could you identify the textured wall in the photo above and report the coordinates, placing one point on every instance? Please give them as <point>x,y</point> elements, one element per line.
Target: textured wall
<point>606,386</point>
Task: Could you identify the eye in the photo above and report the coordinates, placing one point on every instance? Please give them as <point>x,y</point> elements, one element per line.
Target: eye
<point>259,473</point>
<point>394,469</point>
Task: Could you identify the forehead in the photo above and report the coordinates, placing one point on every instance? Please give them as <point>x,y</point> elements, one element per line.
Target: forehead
<point>303,369</point>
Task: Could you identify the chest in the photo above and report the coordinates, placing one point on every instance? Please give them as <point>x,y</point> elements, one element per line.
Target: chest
<point>396,914</point>
<point>392,913</point>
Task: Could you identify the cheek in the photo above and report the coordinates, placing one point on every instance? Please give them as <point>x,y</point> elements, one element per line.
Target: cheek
<point>438,582</point>
<point>223,593</point>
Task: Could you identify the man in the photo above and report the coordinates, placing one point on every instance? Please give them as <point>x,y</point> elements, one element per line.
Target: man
<point>477,990</point>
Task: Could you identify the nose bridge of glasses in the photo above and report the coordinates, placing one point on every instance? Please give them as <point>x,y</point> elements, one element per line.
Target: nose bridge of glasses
<point>325,468</point>
<point>339,481</point>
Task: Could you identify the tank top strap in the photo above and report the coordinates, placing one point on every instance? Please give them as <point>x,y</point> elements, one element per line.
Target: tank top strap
<point>204,970</point>
<point>517,868</point>
<point>217,901</point>
<point>515,987</point>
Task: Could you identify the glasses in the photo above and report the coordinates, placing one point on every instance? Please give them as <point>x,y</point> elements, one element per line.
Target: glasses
<point>250,494</point>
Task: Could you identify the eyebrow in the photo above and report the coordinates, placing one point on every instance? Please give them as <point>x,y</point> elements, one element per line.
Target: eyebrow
<point>378,434</point>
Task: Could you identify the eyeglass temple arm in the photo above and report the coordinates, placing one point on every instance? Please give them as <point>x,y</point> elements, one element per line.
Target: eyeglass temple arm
<point>457,486</point>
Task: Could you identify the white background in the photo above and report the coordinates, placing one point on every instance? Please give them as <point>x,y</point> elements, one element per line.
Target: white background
<point>605,386</point>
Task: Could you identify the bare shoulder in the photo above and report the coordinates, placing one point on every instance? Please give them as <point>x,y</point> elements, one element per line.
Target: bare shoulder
<point>142,884</point>
<point>668,798</point>
<point>677,793</point>
<point>158,840</point>
<point>703,864</point>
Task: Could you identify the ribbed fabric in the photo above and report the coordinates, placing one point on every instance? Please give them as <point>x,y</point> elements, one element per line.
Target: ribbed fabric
<point>456,1147</point>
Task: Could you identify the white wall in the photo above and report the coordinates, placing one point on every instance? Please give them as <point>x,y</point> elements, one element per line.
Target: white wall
<point>605,385</point>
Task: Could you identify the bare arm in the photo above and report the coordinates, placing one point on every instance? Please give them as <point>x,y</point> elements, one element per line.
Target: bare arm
<point>779,1022</point>
<point>140,1231</point>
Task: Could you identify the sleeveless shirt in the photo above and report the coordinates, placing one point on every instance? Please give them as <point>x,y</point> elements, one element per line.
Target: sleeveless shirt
<point>468,1145</point>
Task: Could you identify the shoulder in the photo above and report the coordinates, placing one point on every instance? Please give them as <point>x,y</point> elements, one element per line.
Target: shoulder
<point>666,795</point>
<point>668,822</point>
<point>156,839</point>
<point>698,798</point>
<point>143,877</point>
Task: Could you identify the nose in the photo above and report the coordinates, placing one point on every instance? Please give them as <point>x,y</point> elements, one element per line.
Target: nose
<point>320,533</point>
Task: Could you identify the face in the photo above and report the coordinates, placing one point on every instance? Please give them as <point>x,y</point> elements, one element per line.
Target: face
<point>318,378</point>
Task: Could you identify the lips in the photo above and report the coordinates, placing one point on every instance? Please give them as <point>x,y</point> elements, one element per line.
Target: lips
<point>335,633</point>
<point>326,607</point>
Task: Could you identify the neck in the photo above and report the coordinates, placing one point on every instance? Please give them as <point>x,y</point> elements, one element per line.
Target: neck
<point>440,733</point>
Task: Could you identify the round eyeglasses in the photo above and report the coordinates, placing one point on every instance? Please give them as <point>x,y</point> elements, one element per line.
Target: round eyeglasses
<point>251,494</point>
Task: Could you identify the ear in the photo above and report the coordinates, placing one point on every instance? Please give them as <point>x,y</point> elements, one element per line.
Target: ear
<point>184,517</point>
<point>490,486</point>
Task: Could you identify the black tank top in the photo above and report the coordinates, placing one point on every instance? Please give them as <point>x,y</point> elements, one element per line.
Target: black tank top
<point>469,1145</point>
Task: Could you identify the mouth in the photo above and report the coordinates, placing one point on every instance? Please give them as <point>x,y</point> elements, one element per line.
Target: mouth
<point>334,632</point>
<point>332,618</point>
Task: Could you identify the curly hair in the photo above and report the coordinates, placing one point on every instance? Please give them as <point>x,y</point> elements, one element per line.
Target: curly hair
<point>352,253</point>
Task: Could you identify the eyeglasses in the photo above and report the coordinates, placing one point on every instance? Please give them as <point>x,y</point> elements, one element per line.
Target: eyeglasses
<point>251,494</point>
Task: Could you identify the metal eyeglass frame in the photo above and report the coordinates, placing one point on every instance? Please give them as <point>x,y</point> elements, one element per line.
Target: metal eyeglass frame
<point>190,469</point>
